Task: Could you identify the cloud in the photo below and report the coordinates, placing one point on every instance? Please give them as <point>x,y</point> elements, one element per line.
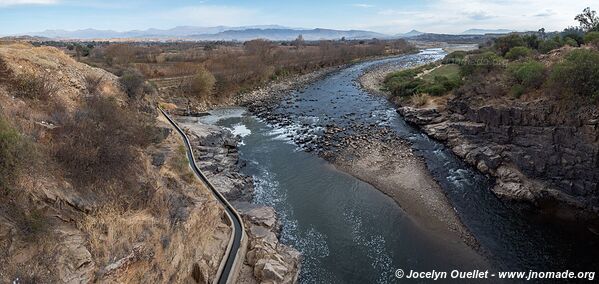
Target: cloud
<point>27,2</point>
<point>455,16</point>
<point>361,5</point>
<point>546,13</point>
<point>479,15</point>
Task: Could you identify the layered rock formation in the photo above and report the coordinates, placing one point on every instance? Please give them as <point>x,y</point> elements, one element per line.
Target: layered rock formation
<point>542,152</point>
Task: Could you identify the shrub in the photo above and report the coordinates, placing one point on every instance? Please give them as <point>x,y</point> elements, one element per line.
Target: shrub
<point>592,38</point>
<point>202,83</point>
<point>131,82</point>
<point>549,45</point>
<point>518,52</point>
<point>455,57</point>
<point>574,33</point>
<point>432,89</point>
<point>504,44</point>
<point>532,41</point>
<point>13,153</point>
<point>517,90</point>
<point>578,73</point>
<point>403,83</point>
<point>484,62</point>
<point>92,83</point>
<point>33,87</point>
<point>98,142</point>
<point>530,74</point>
<point>570,41</point>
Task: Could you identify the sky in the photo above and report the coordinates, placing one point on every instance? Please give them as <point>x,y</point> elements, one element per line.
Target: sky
<point>386,16</point>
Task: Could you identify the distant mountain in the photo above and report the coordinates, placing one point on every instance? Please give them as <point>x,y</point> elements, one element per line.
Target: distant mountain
<point>174,33</point>
<point>411,33</point>
<point>287,34</point>
<point>271,32</point>
<point>484,31</point>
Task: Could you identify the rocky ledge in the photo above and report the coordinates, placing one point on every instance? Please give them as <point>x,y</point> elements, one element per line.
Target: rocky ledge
<point>544,156</point>
<point>267,260</point>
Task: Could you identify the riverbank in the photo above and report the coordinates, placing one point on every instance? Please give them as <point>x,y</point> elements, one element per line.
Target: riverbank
<point>391,166</point>
<point>377,156</point>
<point>267,260</point>
<point>520,142</point>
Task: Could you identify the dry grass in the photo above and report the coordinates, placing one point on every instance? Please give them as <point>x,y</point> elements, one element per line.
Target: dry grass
<point>113,231</point>
<point>419,100</point>
<point>180,164</point>
<point>92,83</point>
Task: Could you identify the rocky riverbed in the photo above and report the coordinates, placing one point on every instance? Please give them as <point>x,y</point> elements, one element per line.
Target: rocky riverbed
<point>267,260</point>
<point>369,150</point>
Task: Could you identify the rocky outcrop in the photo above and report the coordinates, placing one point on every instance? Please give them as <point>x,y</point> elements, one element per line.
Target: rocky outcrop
<point>267,260</point>
<point>272,261</point>
<point>162,228</point>
<point>541,152</point>
<point>217,157</point>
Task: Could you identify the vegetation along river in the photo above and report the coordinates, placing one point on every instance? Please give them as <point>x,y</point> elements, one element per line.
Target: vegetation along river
<point>347,230</point>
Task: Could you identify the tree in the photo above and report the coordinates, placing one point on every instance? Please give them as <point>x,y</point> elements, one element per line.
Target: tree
<point>578,73</point>
<point>588,20</point>
<point>258,47</point>
<point>592,38</point>
<point>518,52</point>
<point>202,83</point>
<point>299,42</point>
<point>542,33</point>
<point>504,44</point>
<point>574,33</point>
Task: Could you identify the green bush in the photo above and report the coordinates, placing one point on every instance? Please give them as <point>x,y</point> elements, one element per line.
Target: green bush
<point>518,52</point>
<point>455,57</point>
<point>578,74</point>
<point>13,154</point>
<point>592,38</point>
<point>131,82</point>
<point>570,41</point>
<point>549,45</point>
<point>433,89</point>
<point>530,74</point>
<point>574,33</point>
<point>506,43</point>
<point>517,90</point>
<point>404,88</point>
<point>484,62</point>
<point>532,41</point>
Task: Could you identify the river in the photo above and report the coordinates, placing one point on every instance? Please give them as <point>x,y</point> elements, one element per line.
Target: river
<point>349,232</point>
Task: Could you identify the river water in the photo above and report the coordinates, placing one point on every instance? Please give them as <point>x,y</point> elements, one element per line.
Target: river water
<point>347,231</point>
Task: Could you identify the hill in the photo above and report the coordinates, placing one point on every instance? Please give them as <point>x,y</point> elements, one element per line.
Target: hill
<point>486,31</point>
<point>271,32</point>
<point>84,197</point>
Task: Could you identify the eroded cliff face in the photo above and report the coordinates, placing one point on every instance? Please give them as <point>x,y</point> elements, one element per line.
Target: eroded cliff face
<point>171,230</point>
<point>542,152</point>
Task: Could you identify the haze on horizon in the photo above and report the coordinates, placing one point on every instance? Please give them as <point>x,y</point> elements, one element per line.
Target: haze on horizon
<point>384,16</point>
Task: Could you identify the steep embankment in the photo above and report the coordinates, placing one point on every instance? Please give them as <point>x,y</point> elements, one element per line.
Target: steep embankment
<point>541,153</point>
<point>542,149</point>
<point>155,224</point>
